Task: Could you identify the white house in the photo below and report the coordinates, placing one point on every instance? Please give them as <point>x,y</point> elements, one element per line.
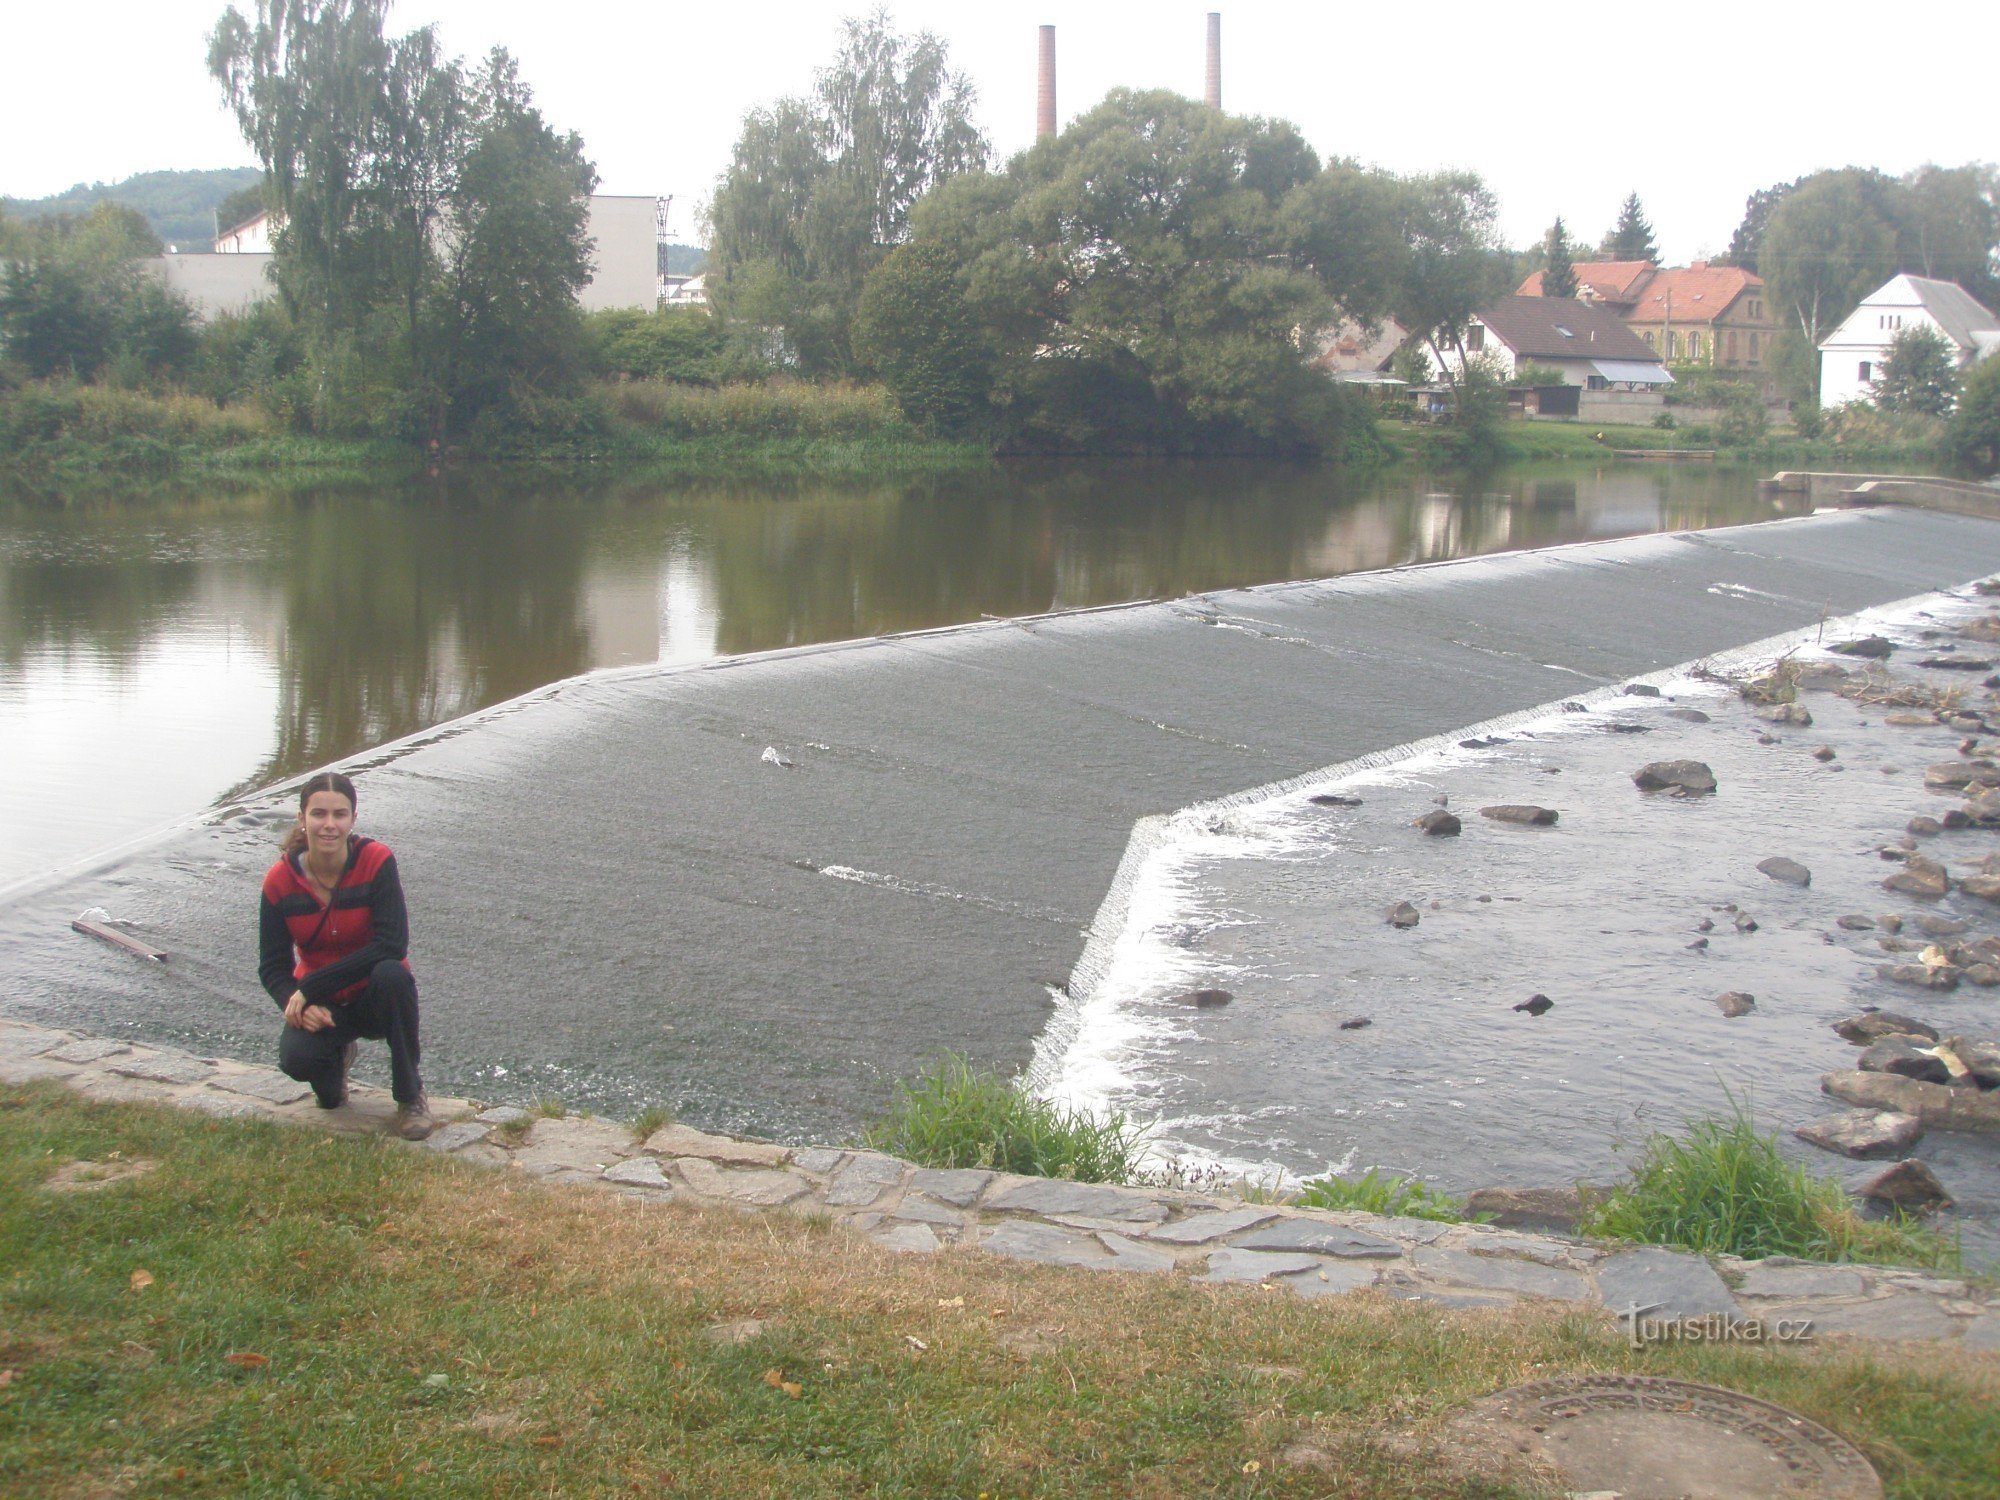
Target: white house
<point>1850,358</point>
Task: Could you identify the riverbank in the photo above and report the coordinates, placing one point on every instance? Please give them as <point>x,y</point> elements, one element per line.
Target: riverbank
<point>173,1276</point>
<point>1522,439</point>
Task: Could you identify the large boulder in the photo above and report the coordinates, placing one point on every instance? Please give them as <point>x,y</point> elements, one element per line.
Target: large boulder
<point>1909,1186</point>
<point>1956,775</point>
<point>1906,1056</point>
<point>1869,647</point>
<point>1862,1133</point>
<point>1686,778</point>
<point>1438,823</point>
<point>1870,1025</point>
<point>1939,1107</point>
<point>1923,878</point>
<point>1512,812</point>
<point>1790,871</point>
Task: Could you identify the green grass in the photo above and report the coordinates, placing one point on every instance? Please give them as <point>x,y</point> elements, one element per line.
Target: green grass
<point>429,1328</point>
<point>653,1117</point>
<point>1723,1188</point>
<point>1374,1192</point>
<point>955,1115</point>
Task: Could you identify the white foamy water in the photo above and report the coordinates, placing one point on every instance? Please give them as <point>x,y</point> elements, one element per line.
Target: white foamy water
<point>1281,902</point>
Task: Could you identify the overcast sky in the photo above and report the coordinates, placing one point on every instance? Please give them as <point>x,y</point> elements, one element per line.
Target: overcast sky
<point>1691,105</point>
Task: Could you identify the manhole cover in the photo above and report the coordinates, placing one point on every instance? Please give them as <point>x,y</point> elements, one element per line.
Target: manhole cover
<point>1643,1438</point>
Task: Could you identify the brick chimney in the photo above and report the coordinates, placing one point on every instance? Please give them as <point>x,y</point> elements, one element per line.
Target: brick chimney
<point>1212,85</point>
<point>1045,86</point>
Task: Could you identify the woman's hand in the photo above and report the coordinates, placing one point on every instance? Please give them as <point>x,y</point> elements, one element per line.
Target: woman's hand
<point>305,1016</point>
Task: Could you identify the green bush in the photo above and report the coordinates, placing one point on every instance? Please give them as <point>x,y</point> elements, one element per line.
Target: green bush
<point>769,409</point>
<point>1376,1193</point>
<point>675,343</point>
<point>1974,436</point>
<point>1724,1189</point>
<point>955,1115</point>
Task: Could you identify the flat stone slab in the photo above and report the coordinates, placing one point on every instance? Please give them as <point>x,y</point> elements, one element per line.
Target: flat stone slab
<point>752,1189</point>
<point>458,1136</point>
<point>1494,1273</point>
<point>683,1140</point>
<point>863,1180</point>
<point>1663,1284</point>
<point>272,1088</point>
<point>915,1210</point>
<point>1410,1231</point>
<point>819,1160</point>
<point>572,1146</point>
<point>1313,1237</point>
<point>163,1067</point>
<point>1645,1438</point>
<point>1091,1200</point>
<point>1130,1255</point>
<point>908,1239</point>
<point>1761,1280</point>
<point>1544,1252</point>
<point>639,1172</point>
<point>16,1043</point>
<point>1864,1133</point>
<point>503,1114</point>
<point>1905,1316</point>
<point>1232,1265</point>
<point>32,1069</point>
<point>1047,1244</point>
<point>226,1107</point>
<point>1983,1334</point>
<point>1938,1106</point>
<point>88,1050</point>
<point>1200,1229</point>
<point>1330,1279</point>
<point>960,1186</point>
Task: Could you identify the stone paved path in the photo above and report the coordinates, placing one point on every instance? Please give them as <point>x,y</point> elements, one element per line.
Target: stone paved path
<point>922,1211</point>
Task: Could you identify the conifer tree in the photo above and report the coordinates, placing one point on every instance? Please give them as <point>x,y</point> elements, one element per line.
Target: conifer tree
<point>1558,263</point>
<point>1631,238</point>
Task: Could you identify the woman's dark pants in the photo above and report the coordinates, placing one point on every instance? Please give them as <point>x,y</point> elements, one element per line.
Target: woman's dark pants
<point>385,1012</point>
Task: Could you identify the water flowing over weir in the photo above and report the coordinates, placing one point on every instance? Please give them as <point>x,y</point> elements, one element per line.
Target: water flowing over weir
<point>619,897</point>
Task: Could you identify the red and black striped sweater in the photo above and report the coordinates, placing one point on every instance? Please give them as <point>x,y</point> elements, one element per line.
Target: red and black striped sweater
<point>329,952</point>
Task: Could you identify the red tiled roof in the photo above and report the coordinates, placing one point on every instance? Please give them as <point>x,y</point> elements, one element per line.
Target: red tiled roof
<point>1699,293</point>
<point>1611,280</point>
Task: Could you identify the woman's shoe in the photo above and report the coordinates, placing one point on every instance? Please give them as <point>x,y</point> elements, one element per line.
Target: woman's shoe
<point>414,1120</point>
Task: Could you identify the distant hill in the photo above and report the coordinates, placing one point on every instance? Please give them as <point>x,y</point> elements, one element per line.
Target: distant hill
<point>685,260</point>
<point>179,205</point>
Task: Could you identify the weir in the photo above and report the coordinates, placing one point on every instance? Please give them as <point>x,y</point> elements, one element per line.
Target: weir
<point>759,889</point>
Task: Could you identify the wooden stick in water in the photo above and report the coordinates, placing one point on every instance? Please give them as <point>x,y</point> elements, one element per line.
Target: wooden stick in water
<point>117,939</point>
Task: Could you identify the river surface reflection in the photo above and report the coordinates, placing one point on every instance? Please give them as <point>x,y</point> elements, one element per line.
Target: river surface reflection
<point>161,654</point>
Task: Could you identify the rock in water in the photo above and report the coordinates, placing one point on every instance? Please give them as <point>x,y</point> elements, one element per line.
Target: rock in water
<point>1923,878</point>
<point>1923,827</point>
<point>1985,887</point>
<point>1790,871</point>
<point>1734,1003</point>
<point>1871,647</point>
<point>1510,812</point>
<point>1862,1133</point>
<point>1825,752</point>
<point>1402,914</point>
<point>1855,923</point>
<point>1906,1057</point>
<point>1787,713</point>
<point>1908,1185</point>
<point>1981,1056</point>
<point>1952,775</point>
<point>1871,1025</point>
<point>1685,777</point>
<point>1204,999</point>
<point>1356,1023</point>
<point>1922,976</point>
<point>1689,715</point>
<point>1641,690</point>
<point>1938,926</point>
<point>1333,799</point>
<point>1438,822</point>
<point>1536,1005</point>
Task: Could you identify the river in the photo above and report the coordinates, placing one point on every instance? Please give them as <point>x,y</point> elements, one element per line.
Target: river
<point>162,653</point>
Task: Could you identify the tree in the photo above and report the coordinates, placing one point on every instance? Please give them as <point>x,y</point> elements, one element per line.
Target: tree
<point>1949,226</point>
<point>239,207</point>
<point>1558,264</point>
<point>74,298</point>
<point>1450,267</point>
<point>1919,373</point>
<point>915,329</point>
<point>1974,436</point>
<point>1631,238</point>
<point>1826,247</point>
<point>820,189</point>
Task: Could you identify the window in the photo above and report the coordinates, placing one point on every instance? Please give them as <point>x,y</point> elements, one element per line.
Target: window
<point>1867,372</point>
<point>1694,346</point>
<point>1673,344</point>
<point>1649,338</point>
<point>1729,346</point>
<point>1475,337</point>
<point>1753,346</point>
<point>1597,383</point>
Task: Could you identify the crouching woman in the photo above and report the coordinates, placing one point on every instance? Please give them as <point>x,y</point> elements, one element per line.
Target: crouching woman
<point>333,939</point>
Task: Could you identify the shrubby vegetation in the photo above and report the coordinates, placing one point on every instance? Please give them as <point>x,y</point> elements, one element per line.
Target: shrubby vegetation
<point>956,1115</point>
<point>1975,427</point>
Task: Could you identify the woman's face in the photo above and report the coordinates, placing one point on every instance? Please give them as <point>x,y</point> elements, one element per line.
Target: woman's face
<point>327,818</point>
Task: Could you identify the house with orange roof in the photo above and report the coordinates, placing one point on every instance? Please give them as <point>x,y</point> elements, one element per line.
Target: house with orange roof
<point>1700,313</point>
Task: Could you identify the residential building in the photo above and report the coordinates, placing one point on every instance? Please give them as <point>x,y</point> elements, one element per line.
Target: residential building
<point>1850,358</point>
<point>1620,375</point>
<point>1356,354</point>
<point>1701,313</point>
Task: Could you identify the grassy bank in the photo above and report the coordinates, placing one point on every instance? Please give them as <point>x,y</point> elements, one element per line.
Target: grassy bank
<point>264,1311</point>
<point>67,434</point>
<point>1524,439</point>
